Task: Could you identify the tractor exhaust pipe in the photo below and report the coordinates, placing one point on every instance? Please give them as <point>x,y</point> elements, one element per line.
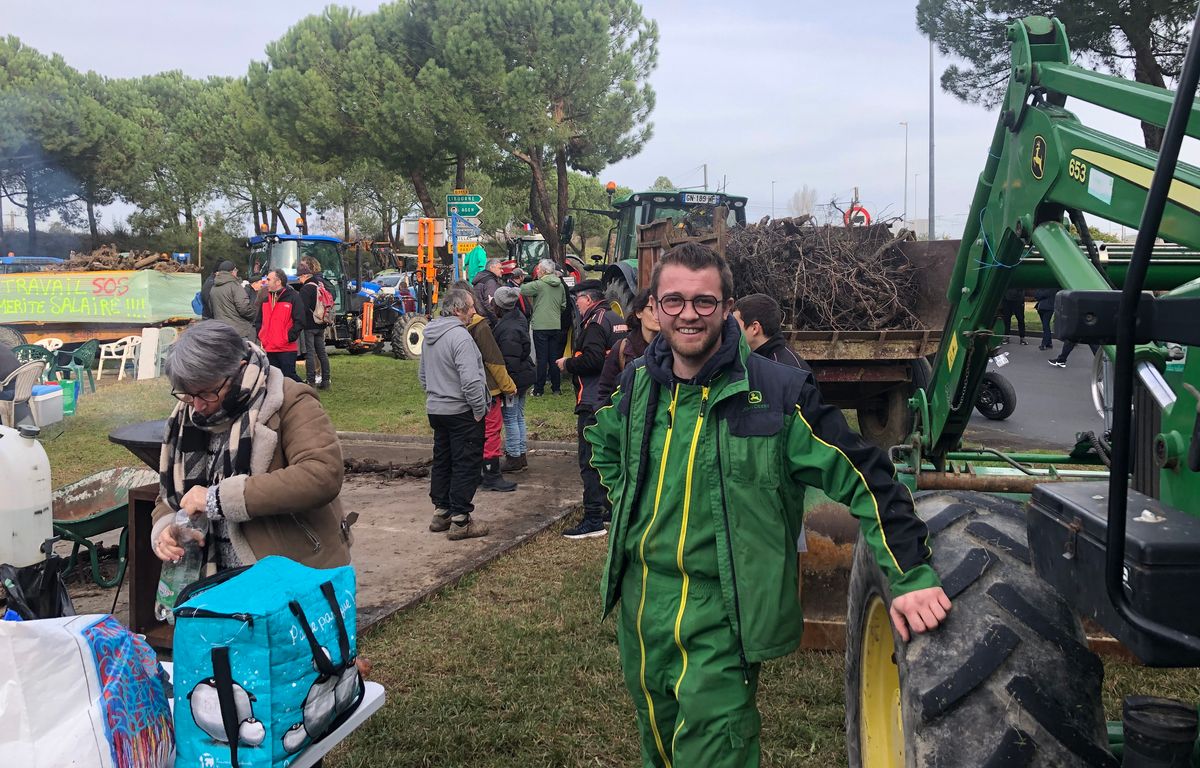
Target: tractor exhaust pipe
<point>1159,733</point>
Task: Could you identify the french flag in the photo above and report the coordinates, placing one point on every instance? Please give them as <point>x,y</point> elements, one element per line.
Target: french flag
<point>528,227</point>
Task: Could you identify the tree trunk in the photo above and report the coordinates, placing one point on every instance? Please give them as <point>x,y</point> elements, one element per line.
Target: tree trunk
<point>460,171</point>
<point>346,218</point>
<point>544,218</point>
<point>1146,69</point>
<point>257,217</point>
<point>304,217</point>
<point>423,196</point>
<point>91,211</point>
<point>564,191</point>
<point>278,214</point>
<point>188,215</point>
<point>30,213</point>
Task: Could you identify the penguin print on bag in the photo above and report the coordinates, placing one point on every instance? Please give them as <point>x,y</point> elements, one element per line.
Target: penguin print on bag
<point>206,713</point>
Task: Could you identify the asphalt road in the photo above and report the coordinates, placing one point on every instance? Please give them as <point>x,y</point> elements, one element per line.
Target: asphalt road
<point>1052,403</point>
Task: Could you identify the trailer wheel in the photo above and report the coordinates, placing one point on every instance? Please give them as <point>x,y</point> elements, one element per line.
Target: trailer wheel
<point>997,397</point>
<point>886,421</point>
<point>1008,679</point>
<point>408,336</point>
<point>11,337</point>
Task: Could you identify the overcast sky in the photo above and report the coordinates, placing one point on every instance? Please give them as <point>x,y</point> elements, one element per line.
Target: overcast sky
<point>775,94</point>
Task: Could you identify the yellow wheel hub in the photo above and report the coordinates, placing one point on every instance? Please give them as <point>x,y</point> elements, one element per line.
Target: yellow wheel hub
<point>881,729</point>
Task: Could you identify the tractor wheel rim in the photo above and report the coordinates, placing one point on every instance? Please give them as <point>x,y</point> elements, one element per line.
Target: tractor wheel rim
<point>881,728</point>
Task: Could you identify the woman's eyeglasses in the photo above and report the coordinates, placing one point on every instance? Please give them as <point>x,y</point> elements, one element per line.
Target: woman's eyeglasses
<point>673,304</point>
<point>204,397</point>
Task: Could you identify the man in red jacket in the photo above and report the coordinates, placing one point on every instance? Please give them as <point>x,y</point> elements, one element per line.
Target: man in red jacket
<point>279,322</point>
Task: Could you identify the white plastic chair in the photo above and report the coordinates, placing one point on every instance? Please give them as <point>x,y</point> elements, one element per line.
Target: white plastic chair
<point>50,343</point>
<point>24,377</point>
<point>121,350</point>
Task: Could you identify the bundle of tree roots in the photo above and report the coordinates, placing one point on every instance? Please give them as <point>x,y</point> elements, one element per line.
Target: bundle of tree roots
<point>107,257</point>
<point>828,278</point>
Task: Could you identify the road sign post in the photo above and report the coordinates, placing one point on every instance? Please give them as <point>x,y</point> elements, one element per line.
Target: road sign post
<point>459,204</point>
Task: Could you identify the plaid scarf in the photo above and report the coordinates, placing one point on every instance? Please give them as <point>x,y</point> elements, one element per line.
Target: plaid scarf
<point>186,461</point>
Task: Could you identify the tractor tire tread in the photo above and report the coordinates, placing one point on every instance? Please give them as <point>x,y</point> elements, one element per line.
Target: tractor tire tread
<point>1016,750</point>
<point>967,690</point>
<point>989,535</point>
<point>966,573</point>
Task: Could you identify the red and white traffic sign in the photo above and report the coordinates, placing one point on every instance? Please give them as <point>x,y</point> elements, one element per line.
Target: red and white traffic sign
<point>856,216</point>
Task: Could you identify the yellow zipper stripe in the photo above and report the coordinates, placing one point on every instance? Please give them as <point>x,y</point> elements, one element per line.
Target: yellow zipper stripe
<point>687,505</point>
<point>866,486</point>
<point>662,471</point>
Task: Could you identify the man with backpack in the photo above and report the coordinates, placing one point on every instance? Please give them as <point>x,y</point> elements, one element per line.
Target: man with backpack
<point>318,313</point>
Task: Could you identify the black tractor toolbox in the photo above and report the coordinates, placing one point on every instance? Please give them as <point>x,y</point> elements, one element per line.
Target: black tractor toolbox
<point>1068,524</point>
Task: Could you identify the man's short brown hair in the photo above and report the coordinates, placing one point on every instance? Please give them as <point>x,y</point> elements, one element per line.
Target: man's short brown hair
<point>695,257</point>
<point>762,309</point>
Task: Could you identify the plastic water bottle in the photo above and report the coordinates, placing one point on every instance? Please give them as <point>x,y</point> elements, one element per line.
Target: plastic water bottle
<point>191,533</point>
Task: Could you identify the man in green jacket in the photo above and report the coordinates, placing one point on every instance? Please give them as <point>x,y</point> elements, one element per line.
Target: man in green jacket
<point>705,453</point>
<point>549,297</point>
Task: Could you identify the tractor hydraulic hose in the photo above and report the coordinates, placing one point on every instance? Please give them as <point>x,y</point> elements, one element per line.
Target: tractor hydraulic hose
<point>1156,200</point>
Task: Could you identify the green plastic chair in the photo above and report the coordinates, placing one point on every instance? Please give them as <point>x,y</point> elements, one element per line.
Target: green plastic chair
<point>28,353</point>
<point>83,359</point>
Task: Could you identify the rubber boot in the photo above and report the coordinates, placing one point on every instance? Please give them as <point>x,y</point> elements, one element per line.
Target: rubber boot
<point>493,480</point>
<point>512,463</point>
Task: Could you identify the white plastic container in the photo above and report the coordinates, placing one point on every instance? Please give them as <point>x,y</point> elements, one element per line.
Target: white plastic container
<point>26,509</point>
<point>47,407</point>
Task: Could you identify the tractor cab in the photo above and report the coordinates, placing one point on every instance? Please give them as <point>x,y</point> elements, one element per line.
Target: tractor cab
<point>693,211</point>
<point>272,251</point>
<point>527,251</point>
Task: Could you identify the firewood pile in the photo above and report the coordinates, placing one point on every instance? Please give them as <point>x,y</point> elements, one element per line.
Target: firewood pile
<point>108,258</point>
<point>828,278</point>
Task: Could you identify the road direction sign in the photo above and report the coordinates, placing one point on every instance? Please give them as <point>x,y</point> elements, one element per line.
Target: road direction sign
<point>466,246</point>
<point>453,199</point>
<point>465,209</point>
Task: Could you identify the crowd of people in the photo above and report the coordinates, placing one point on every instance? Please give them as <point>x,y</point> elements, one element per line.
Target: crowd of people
<point>284,320</point>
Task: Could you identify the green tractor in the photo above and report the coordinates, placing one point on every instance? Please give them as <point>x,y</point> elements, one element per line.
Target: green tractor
<point>693,211</point>
<point>1108,530</point>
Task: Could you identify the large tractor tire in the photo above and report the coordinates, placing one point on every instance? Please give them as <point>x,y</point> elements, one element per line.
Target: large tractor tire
<point>997,397</point>
<point>887,421</point>
<point>408,337</point>
<point>1007,680</point>
<point>619,296</point>
<point>11,337</point>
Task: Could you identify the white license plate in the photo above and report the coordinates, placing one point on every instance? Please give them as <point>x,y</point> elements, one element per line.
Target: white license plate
<point>1001,359</point>
<point>692,197</point>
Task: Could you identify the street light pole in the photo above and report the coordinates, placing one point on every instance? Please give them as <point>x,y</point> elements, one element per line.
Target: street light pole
<point>931,174</point>
<point>772,198</point>
<point>905,185</point>
<point>916,199</point>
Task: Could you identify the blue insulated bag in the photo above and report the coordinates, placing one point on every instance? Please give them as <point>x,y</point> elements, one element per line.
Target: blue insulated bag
<point>264,663</point>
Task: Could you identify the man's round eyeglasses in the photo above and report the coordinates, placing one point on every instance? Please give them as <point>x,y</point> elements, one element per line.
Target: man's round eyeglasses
<point>673,304</point>
<point>205,397</point>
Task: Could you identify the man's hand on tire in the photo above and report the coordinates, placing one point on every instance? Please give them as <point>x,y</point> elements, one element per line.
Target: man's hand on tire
<point>921,610</point>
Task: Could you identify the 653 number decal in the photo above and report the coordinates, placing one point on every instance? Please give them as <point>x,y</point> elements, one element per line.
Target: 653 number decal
<point>1077,169</point>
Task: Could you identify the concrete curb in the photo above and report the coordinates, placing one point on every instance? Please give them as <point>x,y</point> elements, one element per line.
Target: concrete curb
<point>380,437</point>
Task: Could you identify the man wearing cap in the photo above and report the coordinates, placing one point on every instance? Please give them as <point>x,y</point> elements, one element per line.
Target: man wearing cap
<point>514,277</point>
<point>598,331</point>
<point>229,301</point>
<point>484,285</point>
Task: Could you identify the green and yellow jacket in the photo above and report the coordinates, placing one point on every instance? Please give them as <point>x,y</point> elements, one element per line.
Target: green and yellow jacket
<point>755,435</point>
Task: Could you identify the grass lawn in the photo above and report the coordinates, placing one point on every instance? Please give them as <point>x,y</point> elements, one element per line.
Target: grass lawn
<point>370,393</point>
<point>514,668</point>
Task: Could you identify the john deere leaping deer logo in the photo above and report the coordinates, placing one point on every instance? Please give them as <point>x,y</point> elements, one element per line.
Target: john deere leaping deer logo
<point>1038,160</point>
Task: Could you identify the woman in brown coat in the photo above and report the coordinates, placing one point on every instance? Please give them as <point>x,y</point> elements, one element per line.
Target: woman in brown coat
<point>253,451</point>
